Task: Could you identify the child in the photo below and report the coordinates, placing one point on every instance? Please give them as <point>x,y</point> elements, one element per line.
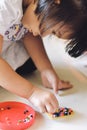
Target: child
<point>41,18</point>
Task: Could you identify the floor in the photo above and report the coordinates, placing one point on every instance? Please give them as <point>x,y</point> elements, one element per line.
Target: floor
<point>76,98</point>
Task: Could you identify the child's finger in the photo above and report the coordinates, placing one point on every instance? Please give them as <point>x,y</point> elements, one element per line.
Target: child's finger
<point>55,87</point>
<point>64,85</point>
<point>43,109</point>
<point>52,106</point>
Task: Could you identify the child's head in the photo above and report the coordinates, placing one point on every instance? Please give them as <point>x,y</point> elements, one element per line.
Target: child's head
<point>67,20</point>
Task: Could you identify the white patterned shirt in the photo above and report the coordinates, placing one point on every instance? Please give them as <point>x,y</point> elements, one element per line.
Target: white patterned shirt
<point>11,14</point>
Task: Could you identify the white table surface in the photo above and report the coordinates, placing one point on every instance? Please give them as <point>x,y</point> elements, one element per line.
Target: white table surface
<point>75,98</point>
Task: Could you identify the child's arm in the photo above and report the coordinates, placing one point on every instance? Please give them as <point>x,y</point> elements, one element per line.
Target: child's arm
<point>10,80</point>
<point>35,48</point>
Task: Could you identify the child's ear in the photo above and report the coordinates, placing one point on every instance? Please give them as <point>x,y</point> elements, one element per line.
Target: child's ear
<point>57,1</point>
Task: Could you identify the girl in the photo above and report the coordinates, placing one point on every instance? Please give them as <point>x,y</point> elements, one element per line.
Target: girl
<point>41,18</point>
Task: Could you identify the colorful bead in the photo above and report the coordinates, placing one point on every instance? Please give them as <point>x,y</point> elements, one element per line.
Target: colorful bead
<point>19,121</point>
<point>56,114</point>
<point>31,115</point>
<point>8,108</point>
<point>62,112</point>
<point>2,109</point>
<point>26,111</point>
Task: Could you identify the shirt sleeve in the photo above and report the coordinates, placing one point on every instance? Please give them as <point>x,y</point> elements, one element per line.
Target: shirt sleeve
<point>3,16</point>
<point>10,13</point>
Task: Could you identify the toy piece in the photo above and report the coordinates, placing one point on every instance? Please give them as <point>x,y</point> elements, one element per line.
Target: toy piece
<point>15,116</point>
<point>61,112</point>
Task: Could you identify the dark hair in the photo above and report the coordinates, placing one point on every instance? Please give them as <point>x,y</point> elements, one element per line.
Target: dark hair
<point>78,45</point>
<point>70,12</point>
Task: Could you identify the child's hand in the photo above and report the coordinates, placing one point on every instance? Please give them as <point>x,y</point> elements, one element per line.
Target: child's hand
<point>45,101</point>
<point>51,80</point>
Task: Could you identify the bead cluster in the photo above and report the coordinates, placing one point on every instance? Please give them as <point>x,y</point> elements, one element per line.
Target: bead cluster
<point>27,119</point>
<point>62,112</point>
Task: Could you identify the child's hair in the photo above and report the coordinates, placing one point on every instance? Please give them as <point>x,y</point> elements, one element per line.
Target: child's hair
<point>69,12</point>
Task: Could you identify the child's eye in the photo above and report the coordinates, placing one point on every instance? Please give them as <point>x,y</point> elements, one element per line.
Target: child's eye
<point>53,32</point>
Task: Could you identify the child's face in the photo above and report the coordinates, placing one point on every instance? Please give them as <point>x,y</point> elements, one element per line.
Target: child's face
<point>30,20</point>
<point>63,32</point>
<point>60,30</point>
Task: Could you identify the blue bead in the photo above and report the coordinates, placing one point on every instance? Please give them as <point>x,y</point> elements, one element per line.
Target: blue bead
<point>56,114</point>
